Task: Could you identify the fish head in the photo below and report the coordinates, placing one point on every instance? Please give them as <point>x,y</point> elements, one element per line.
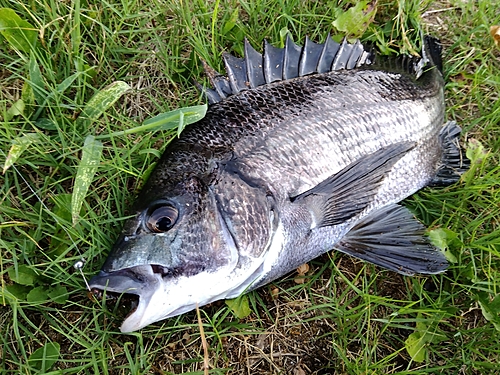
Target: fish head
<point>180,252</point>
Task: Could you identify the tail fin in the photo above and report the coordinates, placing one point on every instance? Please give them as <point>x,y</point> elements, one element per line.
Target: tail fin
<point>453,162</point>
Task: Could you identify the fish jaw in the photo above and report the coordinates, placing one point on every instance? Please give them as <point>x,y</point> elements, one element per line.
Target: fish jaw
<point>140,281</point>
<point>162,297</point>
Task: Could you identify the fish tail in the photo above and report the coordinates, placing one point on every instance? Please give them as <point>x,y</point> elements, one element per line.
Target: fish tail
<point>453,161</point>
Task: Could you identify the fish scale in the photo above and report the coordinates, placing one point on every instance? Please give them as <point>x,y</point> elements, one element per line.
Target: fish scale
<point>302,150</point>
<point>333,128</point>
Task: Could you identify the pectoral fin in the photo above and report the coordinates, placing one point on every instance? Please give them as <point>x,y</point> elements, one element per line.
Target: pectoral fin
<point>392,238</point>
<point>348,192</point>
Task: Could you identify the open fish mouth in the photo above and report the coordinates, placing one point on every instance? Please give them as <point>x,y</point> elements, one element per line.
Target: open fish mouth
<point>127,302</point>
<point>132,288</point>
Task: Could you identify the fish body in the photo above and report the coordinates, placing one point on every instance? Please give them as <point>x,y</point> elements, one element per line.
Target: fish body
<point>302,150</point>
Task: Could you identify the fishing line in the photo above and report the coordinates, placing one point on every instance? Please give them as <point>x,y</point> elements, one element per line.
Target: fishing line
<point>79,264</point>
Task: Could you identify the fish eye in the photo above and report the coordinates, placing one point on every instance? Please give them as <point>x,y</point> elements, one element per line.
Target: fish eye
<point>162,218</point>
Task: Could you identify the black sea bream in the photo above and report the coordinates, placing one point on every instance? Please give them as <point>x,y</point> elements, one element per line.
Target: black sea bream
<point>302,150</point>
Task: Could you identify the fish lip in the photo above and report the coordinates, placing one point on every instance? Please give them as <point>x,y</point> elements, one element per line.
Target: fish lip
<point>126,280</point>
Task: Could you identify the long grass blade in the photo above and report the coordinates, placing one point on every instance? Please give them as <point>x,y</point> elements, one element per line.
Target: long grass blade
<point>91,156</point>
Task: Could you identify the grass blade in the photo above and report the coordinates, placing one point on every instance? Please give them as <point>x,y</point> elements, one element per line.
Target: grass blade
<point>20,144</point>
<point>91,156</point>
<point>100,103</point>
<point>179,118</point>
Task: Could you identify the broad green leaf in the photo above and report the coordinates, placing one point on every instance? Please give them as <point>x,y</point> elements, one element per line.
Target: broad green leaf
<point>181,125</point>
<point>495,304</point>
<point>45,123</point>
<point>178,118</point>
<point>490,309</point>
<point>62,209</point>
<point>44,358</point>
<point>442,238</point>
<point>36,80</point>
<point>284,33</point>
<point>23,275</point>
<point>239,306</point>
<point>58,293</point>
<point>16,291</point>
<point>38,294</point>
<point>356,19</point>
<point>16,110</point>
<point>475,151</point>
<point>415,345</point>
<point>62,204</point>
<point>425,333</point>
<point>64,85</point>
<point>101,102</point>
<point>27,94</point>
<point>19,33</point>
<point>156,153</point>
<point>91,156</point>
<point>19,145</point>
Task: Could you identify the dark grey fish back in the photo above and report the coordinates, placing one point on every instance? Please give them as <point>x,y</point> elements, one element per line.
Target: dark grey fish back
<point>277,64</point>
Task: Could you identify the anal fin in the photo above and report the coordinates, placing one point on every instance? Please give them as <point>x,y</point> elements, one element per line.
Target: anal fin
<point>391,237</point>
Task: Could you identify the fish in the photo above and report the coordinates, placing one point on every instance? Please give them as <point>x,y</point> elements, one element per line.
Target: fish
<point>303,150</point>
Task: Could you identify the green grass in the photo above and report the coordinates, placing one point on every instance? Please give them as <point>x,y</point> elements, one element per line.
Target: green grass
<point>348,317</point>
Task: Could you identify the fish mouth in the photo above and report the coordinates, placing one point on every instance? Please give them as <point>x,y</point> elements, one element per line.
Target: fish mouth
<point>125,301</point>
<point>132,287</point>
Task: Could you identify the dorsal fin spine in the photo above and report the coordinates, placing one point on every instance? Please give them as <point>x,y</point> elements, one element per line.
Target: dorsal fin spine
<point>291,59</point>
<point>255,66</point>
<point>236,70</point>
<point>273,62</point>
<point>311,53</point>
<point>330,49</point>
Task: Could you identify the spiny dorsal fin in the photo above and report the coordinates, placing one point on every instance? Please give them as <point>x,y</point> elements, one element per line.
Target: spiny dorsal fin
<point>277,64</point>
<point>293,61</point>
